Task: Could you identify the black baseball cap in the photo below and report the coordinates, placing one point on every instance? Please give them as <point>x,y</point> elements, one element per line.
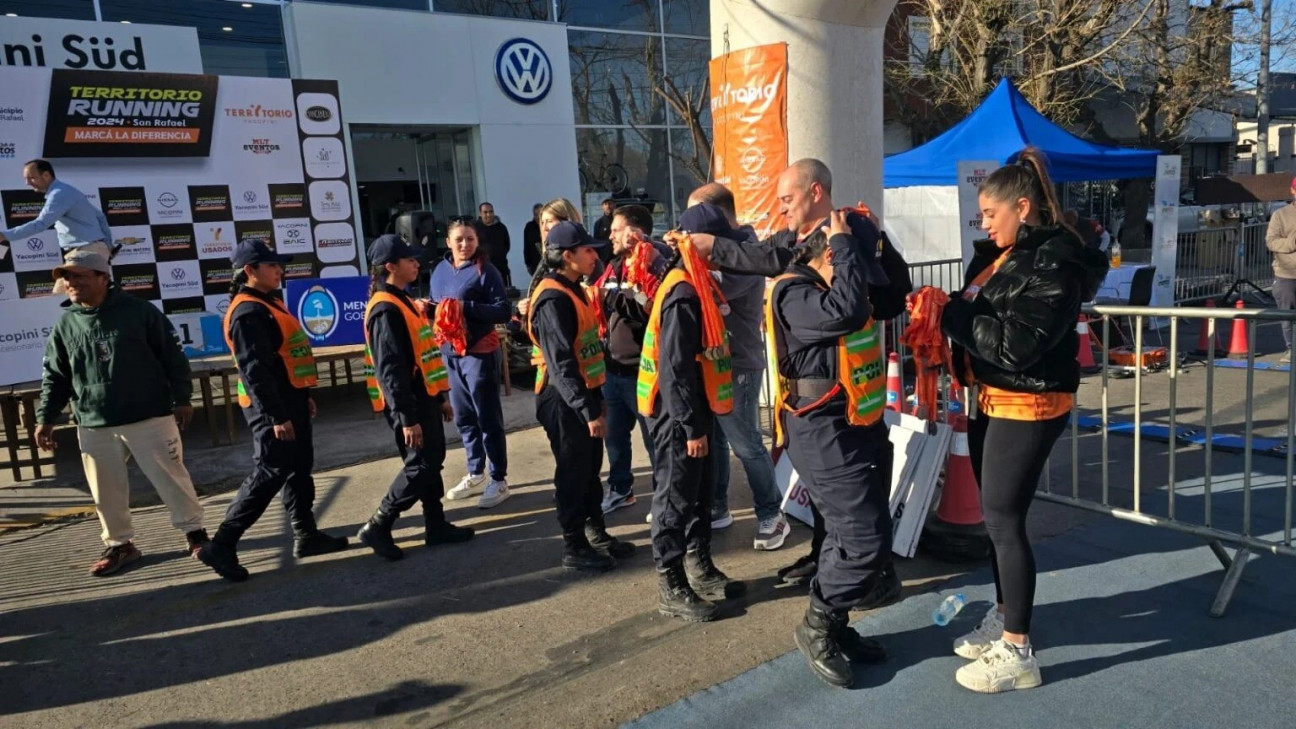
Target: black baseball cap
<point>253,251</point>
<point>570,235</point>
<point>390,248</point>
<point>707,218</point>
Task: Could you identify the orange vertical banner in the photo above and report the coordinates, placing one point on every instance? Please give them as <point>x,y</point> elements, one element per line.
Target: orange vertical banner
<point>749,129</point>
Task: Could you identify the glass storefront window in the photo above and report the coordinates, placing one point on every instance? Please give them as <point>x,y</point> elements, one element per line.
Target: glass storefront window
<point>640,15</point>
<point>687,64</point>
<point>234,40</point>
<point>68,9</point>
<point>614,77</point>
<point>631,165</point>
<point>525,9</point>
<point>397,4</point>
<point>690,162</point>
<point>687,17</point>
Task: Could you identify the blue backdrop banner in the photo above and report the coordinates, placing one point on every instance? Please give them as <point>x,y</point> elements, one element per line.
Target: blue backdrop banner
<point>331,310</point>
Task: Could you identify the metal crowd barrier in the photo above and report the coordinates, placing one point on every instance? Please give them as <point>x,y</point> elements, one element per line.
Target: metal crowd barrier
<point>1148,507</point>
<point>1212,259</point>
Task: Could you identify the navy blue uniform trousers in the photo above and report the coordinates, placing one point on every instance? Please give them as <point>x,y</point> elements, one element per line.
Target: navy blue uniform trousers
<point>420,477</point>
<point>848,472</point>
<point>479,415</point>
<point>681,505</point>
<point>578,458</point>
<point>280,465</point>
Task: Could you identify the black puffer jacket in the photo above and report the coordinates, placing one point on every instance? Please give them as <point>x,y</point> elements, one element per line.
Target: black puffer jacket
<point>1020,329</point>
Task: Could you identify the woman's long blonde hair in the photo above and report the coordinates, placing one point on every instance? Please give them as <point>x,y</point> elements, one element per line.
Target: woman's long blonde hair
<point>564,210</point>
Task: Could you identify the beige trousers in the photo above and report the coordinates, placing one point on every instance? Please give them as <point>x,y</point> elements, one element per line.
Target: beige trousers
<point>155,444</point>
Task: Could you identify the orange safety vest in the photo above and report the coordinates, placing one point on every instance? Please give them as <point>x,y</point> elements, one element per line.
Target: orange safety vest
<point>717,374</point>
<point>860,373</point>
<point>589,351</point>
<point>427,355</point>
<point>295,350</point>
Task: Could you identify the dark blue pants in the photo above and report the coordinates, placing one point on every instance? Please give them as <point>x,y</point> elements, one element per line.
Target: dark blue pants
<point>847,470</point>
<point>420,477</point>
<point>478,413</point>
<point>578,458</point>
<point>681,506</point>
<point>280,466</point>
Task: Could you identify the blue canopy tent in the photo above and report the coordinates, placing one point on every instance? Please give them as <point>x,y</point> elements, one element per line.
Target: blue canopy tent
<point>999,128</point>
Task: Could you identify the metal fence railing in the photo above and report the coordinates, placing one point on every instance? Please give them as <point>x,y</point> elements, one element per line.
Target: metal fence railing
<point>1210,261</point>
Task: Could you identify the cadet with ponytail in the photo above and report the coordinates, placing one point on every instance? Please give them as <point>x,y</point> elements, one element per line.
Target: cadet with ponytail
<point>1013,331</point>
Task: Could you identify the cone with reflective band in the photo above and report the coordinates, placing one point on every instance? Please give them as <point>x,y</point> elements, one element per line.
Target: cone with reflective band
<point>894,387</point>
<point>1240,345</point>
<point>1205,342</point>
<point>956,532</point>
<point>1084,354</point>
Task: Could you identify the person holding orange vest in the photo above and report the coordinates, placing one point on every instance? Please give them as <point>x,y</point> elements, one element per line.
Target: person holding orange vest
<point>407,383</point>
<point>570,371</point>
<point>685,380</point>
<point>829,397</point>
<point>276,371</point>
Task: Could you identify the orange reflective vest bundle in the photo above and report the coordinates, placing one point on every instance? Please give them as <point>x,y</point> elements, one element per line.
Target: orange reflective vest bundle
<point>295,351</point>
<point>427,355</point>
<point>860,373</point>
<point>588,348</point>
<point>717,366</point>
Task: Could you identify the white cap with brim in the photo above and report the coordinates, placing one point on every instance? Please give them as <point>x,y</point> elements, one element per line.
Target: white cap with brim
<point>84,260</point>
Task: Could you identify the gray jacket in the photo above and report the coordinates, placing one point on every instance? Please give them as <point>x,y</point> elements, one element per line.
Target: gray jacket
<point>746,297</point>
<point>1281,239</point>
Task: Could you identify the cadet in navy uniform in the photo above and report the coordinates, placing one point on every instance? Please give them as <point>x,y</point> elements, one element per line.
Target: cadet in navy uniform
<point>276,371</point>
<point>407,383</point>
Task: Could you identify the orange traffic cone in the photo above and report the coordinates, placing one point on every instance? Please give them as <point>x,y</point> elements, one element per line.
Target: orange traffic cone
<point>956,532</point>
<point>1084,353</point>
<point>1205,342</point>
<point>1240,344</point>
<point>895,388</point>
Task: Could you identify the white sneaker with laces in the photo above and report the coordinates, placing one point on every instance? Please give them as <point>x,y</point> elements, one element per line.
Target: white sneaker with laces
<point>982,637</point>
<point>471,485</point>
<point>494,495</point>
<point>1000,669</point>
<point>771,533</point>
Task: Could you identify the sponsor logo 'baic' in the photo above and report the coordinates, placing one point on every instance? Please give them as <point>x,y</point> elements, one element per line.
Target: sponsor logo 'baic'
<point>319,114</point>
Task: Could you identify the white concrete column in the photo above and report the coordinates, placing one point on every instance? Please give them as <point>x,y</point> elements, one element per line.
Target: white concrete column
<point>834,80</point>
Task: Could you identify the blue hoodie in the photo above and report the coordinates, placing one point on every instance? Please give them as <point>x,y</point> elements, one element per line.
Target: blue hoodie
<point>480,287</point>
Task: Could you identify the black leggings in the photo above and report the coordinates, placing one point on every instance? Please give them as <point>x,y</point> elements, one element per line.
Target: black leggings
<point>1008,457</point>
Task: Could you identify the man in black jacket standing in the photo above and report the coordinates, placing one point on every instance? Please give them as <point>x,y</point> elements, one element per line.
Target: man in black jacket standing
<point>532,244</point>
<point>494,238</point>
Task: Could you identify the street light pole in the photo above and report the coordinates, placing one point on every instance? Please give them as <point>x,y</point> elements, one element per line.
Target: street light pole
<point>1262,90</point>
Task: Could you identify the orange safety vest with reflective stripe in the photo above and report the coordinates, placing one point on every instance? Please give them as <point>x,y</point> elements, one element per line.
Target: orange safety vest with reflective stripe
<point>717,374</point>
<point>860,373</point>
<point>427,355</point>
<point>295,351</point>
<point>588,348</point>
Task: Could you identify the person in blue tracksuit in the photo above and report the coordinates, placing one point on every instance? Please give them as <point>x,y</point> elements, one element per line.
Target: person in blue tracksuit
<point>467,275</point>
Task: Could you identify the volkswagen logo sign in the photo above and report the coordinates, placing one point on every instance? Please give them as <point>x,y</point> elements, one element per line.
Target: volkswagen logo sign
<point>523,71</point>
<point>35,245</point>
<point>318,312</point>
<point>167,200</point>
<point>249,197</point>
<point>177,274</point>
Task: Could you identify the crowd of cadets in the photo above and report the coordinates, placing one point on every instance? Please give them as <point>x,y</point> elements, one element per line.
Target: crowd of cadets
<point>665,335</point>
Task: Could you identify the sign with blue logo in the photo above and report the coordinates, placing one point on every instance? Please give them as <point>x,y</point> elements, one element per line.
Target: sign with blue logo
<point>331,310</point>
<point>523,71</point>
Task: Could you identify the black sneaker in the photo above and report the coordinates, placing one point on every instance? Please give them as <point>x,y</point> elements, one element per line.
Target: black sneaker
<point>316,542</point>
<point>224,560</point>
<point>195,540</point>
<point>446,533</point>
<point>799,572</point>
<point>586,558</point>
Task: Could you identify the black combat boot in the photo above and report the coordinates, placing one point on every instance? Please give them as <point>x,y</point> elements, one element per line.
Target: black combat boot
<point>817,638</point>
<point>675,598</point>
<point>799,572</point>
<point>221,554</point>
<point>706,579</point>
<point>578,554</point>
<point>886,590</point>
<point>598,537</point>
<point>376,534</point>
<point>859,649</point>
<point>309,541</point>
<point>439,531</point>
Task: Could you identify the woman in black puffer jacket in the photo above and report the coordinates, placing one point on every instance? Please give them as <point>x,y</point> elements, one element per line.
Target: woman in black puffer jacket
<point>1013,329</point>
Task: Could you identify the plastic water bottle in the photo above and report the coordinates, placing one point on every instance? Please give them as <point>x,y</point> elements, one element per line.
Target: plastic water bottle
<point>948,608</point>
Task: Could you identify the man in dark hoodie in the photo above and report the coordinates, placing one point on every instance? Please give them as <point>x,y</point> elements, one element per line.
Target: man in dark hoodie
<point>745,296</point>
<point>117,359</point>
<point>495,240</point>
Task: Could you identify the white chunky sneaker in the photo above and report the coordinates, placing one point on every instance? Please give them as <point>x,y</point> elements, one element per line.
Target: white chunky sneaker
<point>471,485</point>
<point>974,644</point>
<point>494,495</point>
<point>1000,669</point>
<point>771,533</point>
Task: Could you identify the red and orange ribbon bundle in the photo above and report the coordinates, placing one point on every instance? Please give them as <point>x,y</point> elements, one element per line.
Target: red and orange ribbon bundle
<point>448,325</point>
<point>638,268</point>
<point>930,349</point>
<point>715,345</point>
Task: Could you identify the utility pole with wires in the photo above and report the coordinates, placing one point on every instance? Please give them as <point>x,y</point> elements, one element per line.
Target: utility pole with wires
<point>1262,89</point>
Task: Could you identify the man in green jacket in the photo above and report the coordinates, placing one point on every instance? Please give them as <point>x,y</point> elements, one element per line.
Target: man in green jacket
<point>117,359</point>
